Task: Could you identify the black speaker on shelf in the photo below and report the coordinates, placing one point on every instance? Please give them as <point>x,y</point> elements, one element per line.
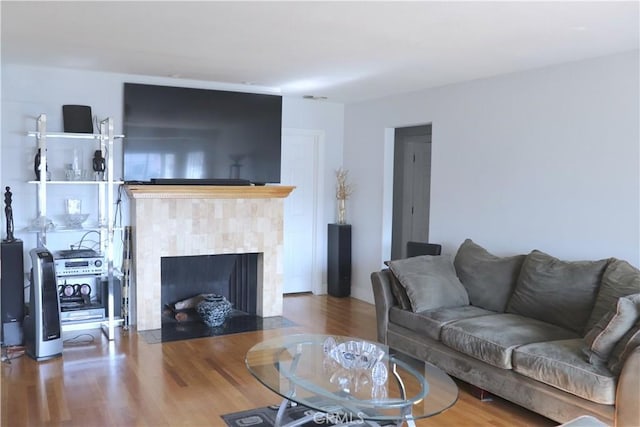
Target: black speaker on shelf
<point>42,328</point>
<point>339,260</point>
<point>12,292</point>
<point>77,118</point>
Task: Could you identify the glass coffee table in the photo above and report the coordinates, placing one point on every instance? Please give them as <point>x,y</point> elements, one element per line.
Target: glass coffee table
<point>348,380</point>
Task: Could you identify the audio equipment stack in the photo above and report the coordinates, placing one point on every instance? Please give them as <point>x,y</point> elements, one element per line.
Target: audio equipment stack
<point>80,286</point>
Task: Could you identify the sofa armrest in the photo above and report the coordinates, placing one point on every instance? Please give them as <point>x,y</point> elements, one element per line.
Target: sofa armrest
<point>628,392</point>
<point>384,300</point>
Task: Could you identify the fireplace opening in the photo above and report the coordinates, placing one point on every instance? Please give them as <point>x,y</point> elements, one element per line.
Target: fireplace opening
<point>237,277</point>
<point>234,276</point>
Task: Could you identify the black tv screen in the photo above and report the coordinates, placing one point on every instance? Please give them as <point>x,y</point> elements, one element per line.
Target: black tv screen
<point>198,134</point>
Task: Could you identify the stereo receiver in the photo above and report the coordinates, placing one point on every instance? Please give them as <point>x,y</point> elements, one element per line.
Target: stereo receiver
<point>78,262</point>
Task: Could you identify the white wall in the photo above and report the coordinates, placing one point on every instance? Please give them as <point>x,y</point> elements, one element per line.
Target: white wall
<point>546,159</point>
<point>28,91</point>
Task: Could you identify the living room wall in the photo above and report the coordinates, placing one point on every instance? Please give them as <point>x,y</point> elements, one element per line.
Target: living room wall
<point>28,91</point>
<point>546,159</point>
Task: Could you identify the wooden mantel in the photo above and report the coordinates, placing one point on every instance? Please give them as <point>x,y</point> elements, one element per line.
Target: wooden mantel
<point>208,191</point>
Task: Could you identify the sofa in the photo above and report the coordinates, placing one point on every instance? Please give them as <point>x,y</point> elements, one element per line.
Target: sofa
<point>560,338</point>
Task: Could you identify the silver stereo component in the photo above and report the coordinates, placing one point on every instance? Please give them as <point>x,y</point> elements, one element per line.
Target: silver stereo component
<point>78,263</point>
<point>88,314</point>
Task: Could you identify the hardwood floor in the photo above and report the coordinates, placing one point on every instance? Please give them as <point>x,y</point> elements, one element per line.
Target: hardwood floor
<point>128,382</point>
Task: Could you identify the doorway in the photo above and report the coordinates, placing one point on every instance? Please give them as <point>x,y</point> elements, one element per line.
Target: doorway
<point>411,187</point>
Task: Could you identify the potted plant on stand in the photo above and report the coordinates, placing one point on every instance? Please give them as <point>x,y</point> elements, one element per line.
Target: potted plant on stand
<point>339,242</point>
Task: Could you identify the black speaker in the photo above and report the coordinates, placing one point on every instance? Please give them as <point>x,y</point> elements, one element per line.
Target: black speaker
<point>12,292</point>
<point>77,118</point>
<point>42,328</point>
<point>339,260</point>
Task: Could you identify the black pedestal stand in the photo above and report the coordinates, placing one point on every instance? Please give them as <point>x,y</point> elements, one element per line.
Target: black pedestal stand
<point>339,260</point>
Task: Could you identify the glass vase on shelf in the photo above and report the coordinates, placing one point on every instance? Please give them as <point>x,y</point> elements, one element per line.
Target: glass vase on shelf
<point>342,211</point>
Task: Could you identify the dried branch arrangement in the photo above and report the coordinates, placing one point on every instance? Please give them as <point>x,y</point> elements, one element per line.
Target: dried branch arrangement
<point>343,188</point>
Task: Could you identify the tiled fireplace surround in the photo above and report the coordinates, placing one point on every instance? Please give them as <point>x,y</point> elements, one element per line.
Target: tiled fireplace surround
<point>204,220</point>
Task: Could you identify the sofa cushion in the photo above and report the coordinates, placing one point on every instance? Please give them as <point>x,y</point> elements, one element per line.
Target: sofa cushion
<point>430,282</point>
<point>555,291</point>
<point>400,293</point>
<point>492,338</point>
<point>561,364</point>
<point>430,322</point>
<point>619,279</point>
<point>488,279</point>
<point>623,348</point>
<point>602,338</point>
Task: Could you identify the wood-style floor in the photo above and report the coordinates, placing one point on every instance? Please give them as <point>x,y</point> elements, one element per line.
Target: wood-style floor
<point>128,382</point>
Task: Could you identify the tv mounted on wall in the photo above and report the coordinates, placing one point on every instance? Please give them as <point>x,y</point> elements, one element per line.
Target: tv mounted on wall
<point>183,135</point>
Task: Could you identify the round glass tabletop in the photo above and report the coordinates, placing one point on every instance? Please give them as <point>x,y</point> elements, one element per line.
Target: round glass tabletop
<point>350,378</point>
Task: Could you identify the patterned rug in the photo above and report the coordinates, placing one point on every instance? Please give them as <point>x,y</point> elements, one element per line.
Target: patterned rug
<point>266,417</point>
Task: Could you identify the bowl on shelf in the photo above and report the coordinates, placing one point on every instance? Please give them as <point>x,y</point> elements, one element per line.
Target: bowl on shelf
<point>41,223</point>
<point>75,220</point>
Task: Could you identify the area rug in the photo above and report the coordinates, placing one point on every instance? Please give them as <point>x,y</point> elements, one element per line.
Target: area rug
<point>266,417</point>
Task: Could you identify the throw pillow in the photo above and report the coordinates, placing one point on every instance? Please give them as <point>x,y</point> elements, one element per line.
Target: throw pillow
<point>557,292</point>
<point>430,282</point>
<point>602,338</point>
<point>488,279</point>
<point>623,349</point>
<point>619,279</point>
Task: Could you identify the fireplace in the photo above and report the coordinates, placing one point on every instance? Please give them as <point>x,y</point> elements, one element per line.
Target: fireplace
<point>176,221</point>
<point>234,276</point>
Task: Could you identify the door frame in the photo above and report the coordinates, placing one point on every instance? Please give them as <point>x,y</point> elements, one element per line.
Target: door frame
<point>387,194</point>
<point>317,287</point>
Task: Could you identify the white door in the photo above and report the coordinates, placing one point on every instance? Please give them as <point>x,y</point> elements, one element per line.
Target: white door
<point>300,168</point>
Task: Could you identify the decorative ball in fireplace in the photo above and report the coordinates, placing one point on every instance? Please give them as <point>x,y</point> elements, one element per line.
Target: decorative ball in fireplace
<point>214,309</point>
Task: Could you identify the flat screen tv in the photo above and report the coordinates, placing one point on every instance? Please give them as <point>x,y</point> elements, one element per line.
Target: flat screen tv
<point>176,134</point>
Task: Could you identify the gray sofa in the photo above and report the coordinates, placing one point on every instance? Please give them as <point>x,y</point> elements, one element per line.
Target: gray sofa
<point>559,338</point>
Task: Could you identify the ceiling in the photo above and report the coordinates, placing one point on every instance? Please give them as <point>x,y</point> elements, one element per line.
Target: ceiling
<point>346,51</point>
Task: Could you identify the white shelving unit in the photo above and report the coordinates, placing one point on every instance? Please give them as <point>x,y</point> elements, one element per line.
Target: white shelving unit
<point>106,209</point>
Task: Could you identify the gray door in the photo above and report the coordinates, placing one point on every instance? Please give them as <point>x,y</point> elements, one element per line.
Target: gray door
<point>411,188</point>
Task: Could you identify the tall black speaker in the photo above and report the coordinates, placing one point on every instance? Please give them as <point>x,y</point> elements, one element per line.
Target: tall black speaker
<point>12,292</point>
<point>339,260</point>
<point>42,328</point>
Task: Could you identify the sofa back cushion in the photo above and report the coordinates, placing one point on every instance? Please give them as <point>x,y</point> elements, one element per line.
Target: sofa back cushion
<point>619,279</point>
<point>488,279</point>
<point>400,293</point>
<point>430,282</point>
<point>555,291</point>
